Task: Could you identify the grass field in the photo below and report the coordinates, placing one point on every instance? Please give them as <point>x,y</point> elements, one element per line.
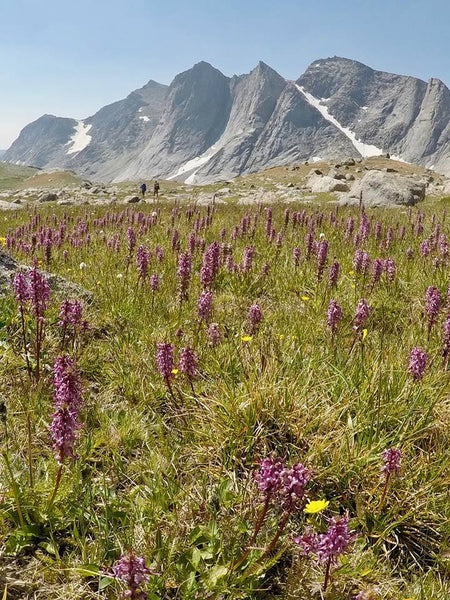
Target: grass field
<point>166,458</point>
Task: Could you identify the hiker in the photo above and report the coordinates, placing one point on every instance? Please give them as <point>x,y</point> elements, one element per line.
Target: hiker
<point>156,190</point>
<point>143,189</point>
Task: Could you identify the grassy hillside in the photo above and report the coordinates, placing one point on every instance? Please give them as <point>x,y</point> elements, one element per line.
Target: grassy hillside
<point>12,176</point>
<point>135,431</point>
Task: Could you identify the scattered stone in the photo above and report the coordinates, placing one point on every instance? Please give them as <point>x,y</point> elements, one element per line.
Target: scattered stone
<point>4,205</point>
<point>326,184</point>
<point>224,191</point>
<point>48,197</point>
<point>390,170</point>
<point>131,200</point>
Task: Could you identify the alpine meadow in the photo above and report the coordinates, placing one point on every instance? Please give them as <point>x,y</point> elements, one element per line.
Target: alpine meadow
<point>225,401</point>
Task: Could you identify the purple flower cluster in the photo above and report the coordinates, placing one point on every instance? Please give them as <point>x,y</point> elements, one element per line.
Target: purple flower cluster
<point>142,260</point>
<point>133,571</point>
<point>330,545</point>
<point>361,262</point>
<point>210,265</point>
<point>333,273</point>
<point>433,303</point>
<point>165,360</point>
<point>322,254</point>
<point>188,363</point>
<point>214,334</point>
<point>391,458</point>
<point>334,315</point>
<point>417,363</point>
<point>204,305</point>
<point>254,318</point>
<point>154,282</point>
<point>390,268</point>
<point>32,287</point>
<point>184,274</point>
<point>67,398</point>
<point>285,484</point>
<point>361,314</point>
<point>70,313</point>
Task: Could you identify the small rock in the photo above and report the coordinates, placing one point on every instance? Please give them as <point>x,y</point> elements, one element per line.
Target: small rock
<point>131,200</point>
<point>48,197</point>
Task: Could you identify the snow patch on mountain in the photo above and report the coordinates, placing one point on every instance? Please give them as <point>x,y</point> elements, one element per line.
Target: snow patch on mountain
<point>365,150</point>
<point>194,164</point>
<point>145,119</point>
<point>80,139</point>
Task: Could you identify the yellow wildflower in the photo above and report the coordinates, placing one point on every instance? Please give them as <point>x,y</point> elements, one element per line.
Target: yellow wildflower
<point>351,272</point>
<point>246,338</point>
<point>3,241</point>
<point>174,371</point>
<point>353,286</point>
<point>315,506</point>
<point>364,335</point>
<point>305,298</point>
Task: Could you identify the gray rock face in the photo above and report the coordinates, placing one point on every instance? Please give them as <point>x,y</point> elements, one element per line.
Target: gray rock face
<point>400,115</point>
<point>206,126</point>
<point>385,189</point>
<point>42,142</point>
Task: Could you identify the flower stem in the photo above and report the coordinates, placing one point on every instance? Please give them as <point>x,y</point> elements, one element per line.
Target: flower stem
<point>55,488</point>
<point>30,452</point>
<point>327,575</point>
<point>281,526</point>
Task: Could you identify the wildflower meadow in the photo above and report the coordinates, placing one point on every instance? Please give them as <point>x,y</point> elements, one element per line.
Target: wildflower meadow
<point>241,402</point>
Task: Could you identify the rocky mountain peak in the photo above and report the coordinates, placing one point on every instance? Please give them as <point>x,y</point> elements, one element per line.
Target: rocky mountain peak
<point>206,126</point>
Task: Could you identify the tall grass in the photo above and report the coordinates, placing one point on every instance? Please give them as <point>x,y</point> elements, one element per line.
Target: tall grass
<point>171,476</point>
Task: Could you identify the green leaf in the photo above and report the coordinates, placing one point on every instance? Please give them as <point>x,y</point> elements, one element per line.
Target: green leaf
<point>216,573</point>
<point>105,582</point>
<point>88,570</point>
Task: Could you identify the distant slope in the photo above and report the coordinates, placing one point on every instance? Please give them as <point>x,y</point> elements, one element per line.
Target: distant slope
<point>206,126</point>
<point>12,176</point>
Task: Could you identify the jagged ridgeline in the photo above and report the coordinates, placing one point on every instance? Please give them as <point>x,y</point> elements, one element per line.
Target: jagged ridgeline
<point>206,126</point>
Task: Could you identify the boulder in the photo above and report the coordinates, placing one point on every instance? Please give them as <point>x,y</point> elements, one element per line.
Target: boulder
<point>385,189</point>
<point>446,188</point>
<point>223,191</point>
<point>9,266</point>
<point>326,184</point>
<point>131,200</point>
<point>4,205</point>
<point>48,197</point>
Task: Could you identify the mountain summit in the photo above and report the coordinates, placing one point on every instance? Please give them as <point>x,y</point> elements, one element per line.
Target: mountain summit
<point>206,126</point>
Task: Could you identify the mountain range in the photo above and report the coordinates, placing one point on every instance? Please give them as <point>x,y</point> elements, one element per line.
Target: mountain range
<point>205,126</point>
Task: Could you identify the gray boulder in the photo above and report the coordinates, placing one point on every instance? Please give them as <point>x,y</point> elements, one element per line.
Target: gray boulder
<point>9,267</point>
<point>326,185</point>
<point>379,188</point>
<point>48,197</point>
<point>131,200</point>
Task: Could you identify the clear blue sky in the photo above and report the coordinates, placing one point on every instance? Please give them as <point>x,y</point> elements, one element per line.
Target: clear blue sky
<point>71,58</point>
